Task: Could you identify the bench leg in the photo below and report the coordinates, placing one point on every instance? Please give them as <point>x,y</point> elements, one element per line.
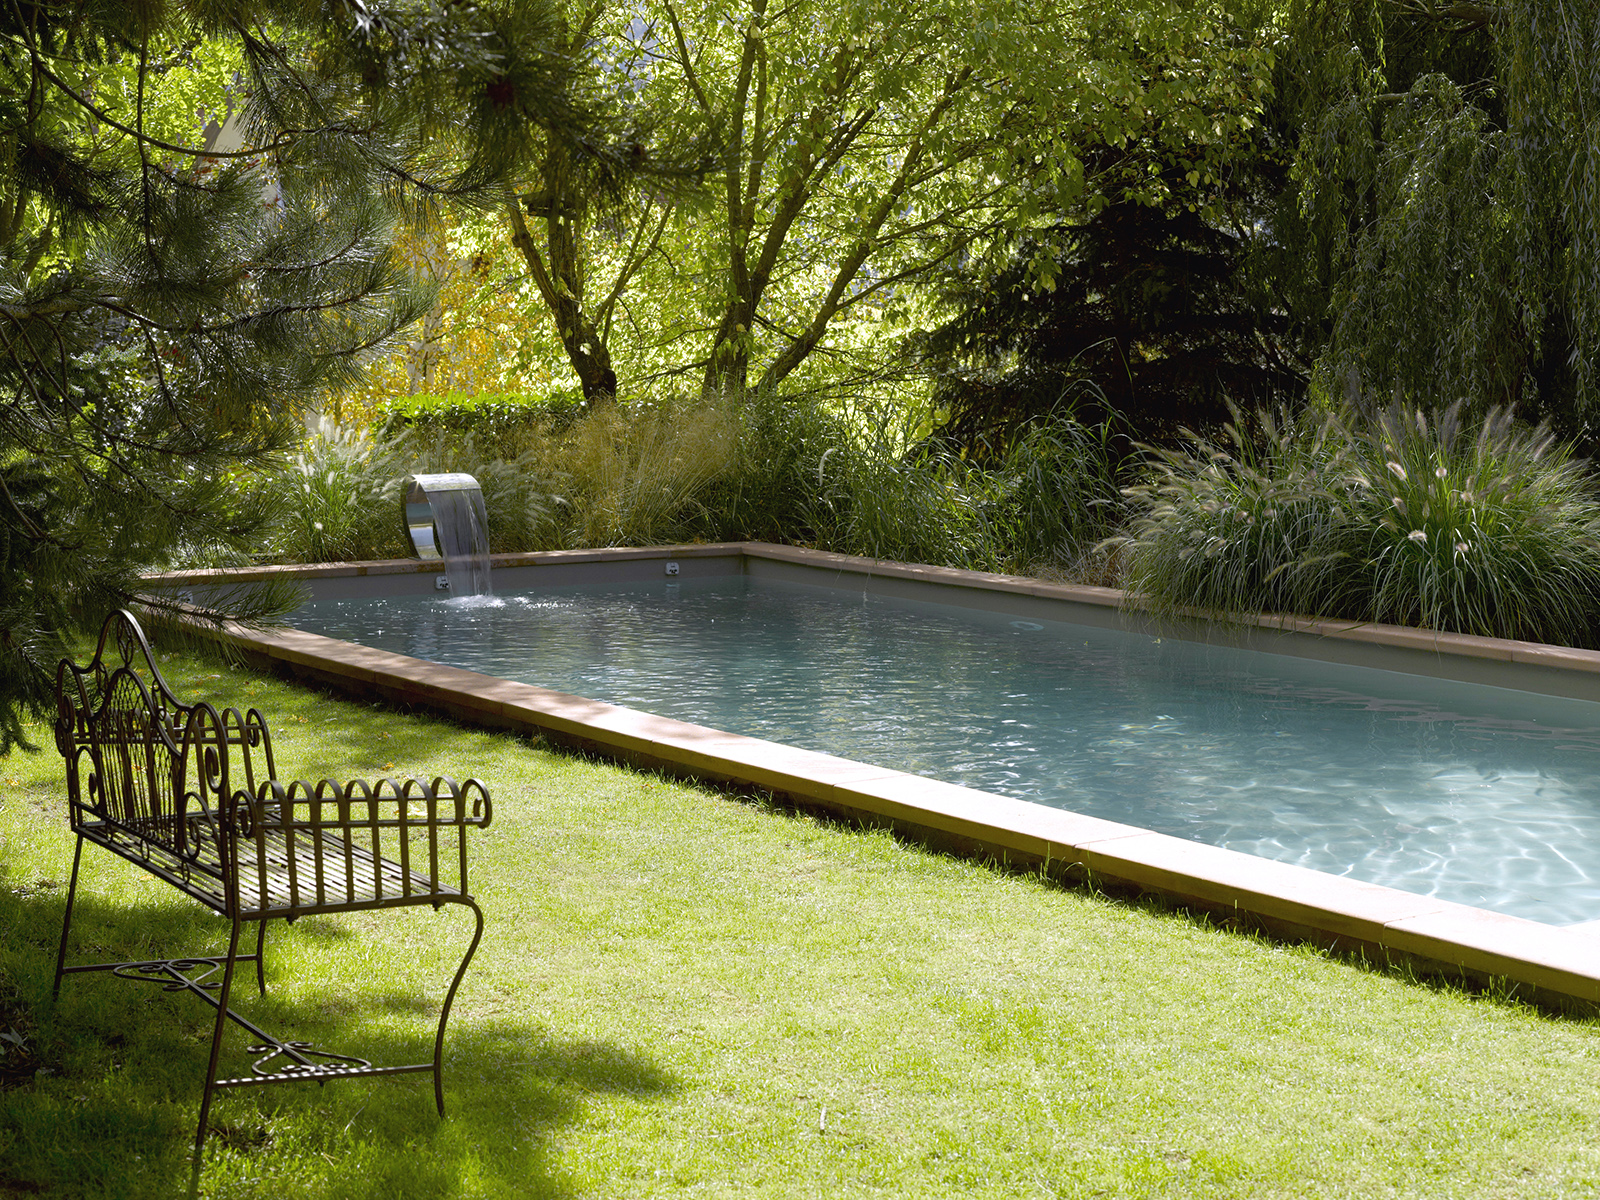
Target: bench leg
<point>261,970</point>
<point>66,922</point>
<point>449,999</point>
<point>216,1041</point>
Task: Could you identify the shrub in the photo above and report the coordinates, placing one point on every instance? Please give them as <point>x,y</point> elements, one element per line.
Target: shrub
<point>1493,532</point>
<point>885,491</point>
<point>1406,521</point>
<point>620,474</point>
<point>894,492</point>
<point>507,426</point>
<point>776,468</point>
<point>770,492</point>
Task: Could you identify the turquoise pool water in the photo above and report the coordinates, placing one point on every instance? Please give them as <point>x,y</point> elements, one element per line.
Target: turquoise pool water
<point>1475,794</point>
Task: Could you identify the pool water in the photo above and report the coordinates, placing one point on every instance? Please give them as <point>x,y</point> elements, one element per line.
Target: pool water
<point>1475,794</point>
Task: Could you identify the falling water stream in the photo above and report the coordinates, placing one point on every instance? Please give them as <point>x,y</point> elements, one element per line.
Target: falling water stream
<point>445,518</point>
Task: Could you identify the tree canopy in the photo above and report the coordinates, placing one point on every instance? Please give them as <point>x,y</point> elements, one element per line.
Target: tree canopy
<point>853,151</point>
<point>1412,216</point>
<point>168,309</point>
<point>1440,212</point>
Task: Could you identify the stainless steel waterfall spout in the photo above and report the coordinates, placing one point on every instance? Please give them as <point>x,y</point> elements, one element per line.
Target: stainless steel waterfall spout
<point>420,491</point>
<point>446,521</point>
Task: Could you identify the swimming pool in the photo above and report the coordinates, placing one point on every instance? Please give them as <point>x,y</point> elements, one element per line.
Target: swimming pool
<point>1424,785</point>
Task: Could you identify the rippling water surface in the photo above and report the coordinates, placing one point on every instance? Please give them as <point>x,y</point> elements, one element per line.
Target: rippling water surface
<point>1475,794</point>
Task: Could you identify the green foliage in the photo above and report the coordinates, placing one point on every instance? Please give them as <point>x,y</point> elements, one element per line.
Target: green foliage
<point>510,424</point>
<point>1550,70</point>
<point>1405,520</point>
<point>622,475</point>
<point>891,492</point>
<point>879,498</point>
<point>770,495</point>
<point>773,468</point>
<point>859,149</point>
<point>1444,202</point>
<point>169,305</point>
<point>1055,492</point>
<point>485,412</point>
<point>1134,280</point>
<point>338,500</point>
<point>1152,318</point>
<point>1427,307</point>
<point>638,473</point>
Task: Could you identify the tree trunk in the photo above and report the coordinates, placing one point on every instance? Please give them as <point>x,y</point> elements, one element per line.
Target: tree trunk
<point>560,283</point>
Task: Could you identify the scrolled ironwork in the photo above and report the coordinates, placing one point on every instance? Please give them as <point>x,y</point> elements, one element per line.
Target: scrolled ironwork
<point>302,1070</point>
<point>175,970</point>
<point>191,794</point>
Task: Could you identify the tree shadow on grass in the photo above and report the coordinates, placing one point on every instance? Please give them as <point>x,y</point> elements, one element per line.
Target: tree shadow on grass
<point>113,1108</point>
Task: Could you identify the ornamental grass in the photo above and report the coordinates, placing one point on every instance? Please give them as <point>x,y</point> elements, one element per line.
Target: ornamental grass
<point>1493,530</point>
<point>1487,527</point>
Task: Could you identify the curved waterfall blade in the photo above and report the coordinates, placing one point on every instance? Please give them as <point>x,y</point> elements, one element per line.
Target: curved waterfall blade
<point>445,518</point>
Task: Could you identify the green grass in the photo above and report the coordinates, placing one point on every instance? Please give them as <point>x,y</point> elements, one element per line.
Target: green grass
<point>684,993</point>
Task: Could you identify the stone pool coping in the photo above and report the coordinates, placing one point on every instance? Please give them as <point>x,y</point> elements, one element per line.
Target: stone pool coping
<point>1552,964</point>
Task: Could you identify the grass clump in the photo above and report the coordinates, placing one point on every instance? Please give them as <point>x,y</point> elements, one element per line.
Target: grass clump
<point>682,994</point>
<point>333,502</point>
<point>1243,525</point>
<point>1494,531</point>
<point>1407,519</point>
<point>886,486</point>
<point>613,476</point>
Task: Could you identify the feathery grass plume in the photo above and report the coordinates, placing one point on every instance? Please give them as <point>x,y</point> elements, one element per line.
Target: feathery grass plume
<point>638,471</point>
<point>1243,527</point>
<point>623,474</point>
<point>1493,532</point>
<point>330,501</point>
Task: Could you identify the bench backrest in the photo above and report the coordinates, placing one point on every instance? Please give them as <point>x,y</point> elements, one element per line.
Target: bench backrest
<point>159,770</point>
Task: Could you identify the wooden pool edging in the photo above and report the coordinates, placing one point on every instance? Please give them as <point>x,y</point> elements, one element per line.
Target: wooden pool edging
<point>1555,966</point>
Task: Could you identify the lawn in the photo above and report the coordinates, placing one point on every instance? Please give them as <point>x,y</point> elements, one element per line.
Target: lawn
<point>685,992</point>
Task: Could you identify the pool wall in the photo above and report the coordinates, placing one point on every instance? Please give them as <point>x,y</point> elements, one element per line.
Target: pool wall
<point>1557,966</point>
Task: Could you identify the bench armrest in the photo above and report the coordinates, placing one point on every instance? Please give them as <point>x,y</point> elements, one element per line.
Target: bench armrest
<point>386,804</point>
<point>297,829</point>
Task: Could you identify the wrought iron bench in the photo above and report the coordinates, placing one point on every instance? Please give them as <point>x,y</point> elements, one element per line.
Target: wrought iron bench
<point>190,793</point>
